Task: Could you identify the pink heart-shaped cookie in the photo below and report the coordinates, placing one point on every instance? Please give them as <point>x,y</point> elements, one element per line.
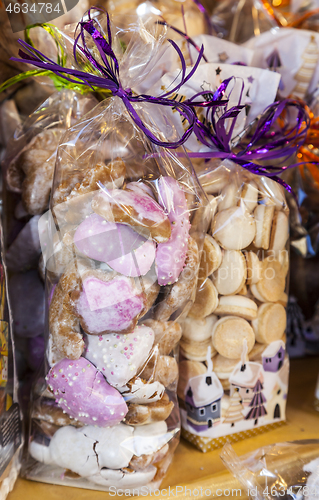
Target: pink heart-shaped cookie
<point>171,255</point>
<point>83,393</point>
<point>118,245</point>
<point>109,306</point>
<point>119,356</point>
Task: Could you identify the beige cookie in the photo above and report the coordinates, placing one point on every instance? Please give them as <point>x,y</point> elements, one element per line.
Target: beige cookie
<point>272,193</point>
<point>206,300</point>
<point>181,292</point>
<point>198,330</point>
<point>211,258</point>
<point>64,326</point>
<point>187,370</point>
<point>166,371</point>
<point>253,268</point>
<point>249,195</point>
<point>272,282</point>
<point>283,300</point>
<point>256,352</point>
<point>234,228</point>
<point>270,323</point>
<point>283,257</point>
<point>223,367</point>
<point>279,232</point>
<point>236,305</point>
<point>231,275</point>
<point>225,384</point>
<point>229,334</point>
<point>167,334</point>
<point>263,216</point>
<point>150,413</point>
<point>228,197</point>
<point>243,291</point>
<point>196,351</point>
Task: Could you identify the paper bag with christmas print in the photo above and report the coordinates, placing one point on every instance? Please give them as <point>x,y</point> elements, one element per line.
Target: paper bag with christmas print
<point>252,87</point>
<point>294,54</point>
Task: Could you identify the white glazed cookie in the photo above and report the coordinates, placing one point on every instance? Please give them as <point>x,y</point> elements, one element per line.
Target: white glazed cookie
<point>119,356</point>
<point>231,275</point>
<point>234,228</point>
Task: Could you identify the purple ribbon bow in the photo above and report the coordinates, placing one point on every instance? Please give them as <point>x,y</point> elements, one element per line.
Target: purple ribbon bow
<point>268,142</point>
<point>107,76</point>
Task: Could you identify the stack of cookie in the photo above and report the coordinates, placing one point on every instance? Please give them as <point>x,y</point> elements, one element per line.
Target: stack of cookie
<point>123,263</point>
<point>241,297</point>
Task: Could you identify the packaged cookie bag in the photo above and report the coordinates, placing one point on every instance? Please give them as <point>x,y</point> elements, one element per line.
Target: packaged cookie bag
<point>233,362</point>
<point>11,439</point>
<point>121,253</point>
<point>234,368</point>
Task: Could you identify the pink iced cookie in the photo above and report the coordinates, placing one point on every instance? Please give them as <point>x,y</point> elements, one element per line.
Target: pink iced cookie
<point>140,187</point>
<point>105,241</point>
<point>170,256</point>
<point>119,356</point>
<point>136,209</point>
<point>108,306</point>
<point>83,393</point>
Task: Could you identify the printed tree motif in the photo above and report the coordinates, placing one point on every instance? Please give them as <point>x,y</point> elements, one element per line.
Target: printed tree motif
<point>234,412</point>
<point>257,404</point>
<point>305,73</point>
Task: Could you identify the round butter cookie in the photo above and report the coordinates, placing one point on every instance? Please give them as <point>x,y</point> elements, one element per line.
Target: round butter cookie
<point>237,305</point>
<point>206,300</point>
<point>272,281</point>
<point>229,334</point>
<point>270,323</point>
<point>231,275</point>
<point>234,228</point>
<point>263,216</point>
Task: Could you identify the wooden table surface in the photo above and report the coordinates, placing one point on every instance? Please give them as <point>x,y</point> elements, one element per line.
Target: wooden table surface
<point>193,468</point>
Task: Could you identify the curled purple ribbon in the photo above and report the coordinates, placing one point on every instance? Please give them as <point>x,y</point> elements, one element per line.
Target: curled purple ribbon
<point>107,76</point>
<point>268,142</point>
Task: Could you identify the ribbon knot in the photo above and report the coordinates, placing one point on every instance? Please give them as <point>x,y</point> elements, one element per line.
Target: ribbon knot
<point>104,74</point>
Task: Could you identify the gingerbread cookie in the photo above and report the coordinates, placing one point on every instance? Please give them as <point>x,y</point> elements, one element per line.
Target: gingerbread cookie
<point>64,326</point>
<point>107,303</point>
<point>83,393</point>
<point>180,292</point>
<point>120,356</point>
<point>147,414</point>
<point>140,211</point>
<point>170,256</point>
<point>167,334</point>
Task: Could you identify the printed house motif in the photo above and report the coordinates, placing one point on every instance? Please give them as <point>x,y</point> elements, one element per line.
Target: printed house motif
<point>244,379</point>
<point>273,356</point>
<point>203,395</point>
